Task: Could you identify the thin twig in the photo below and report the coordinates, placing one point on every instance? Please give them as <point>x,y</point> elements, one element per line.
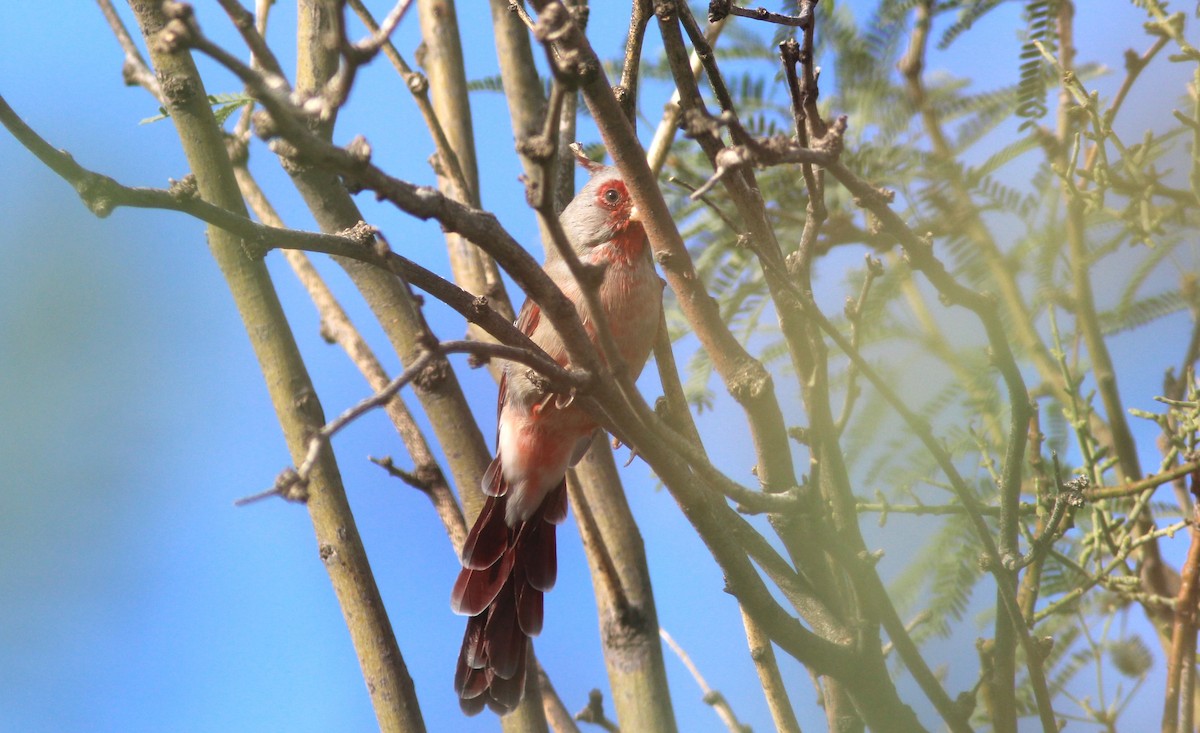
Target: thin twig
<point>883,507</point>
<point>668,127</point>
<point>1133,488</point>
<point>854,311</point>
<point>593,713</point>
<point>1128,545</point>
<point>711,697</point>
<point>1183,632</point>
<point>1069,497</point>
<point>241,129</point>
<point>135,69</point>
<point>517,7</point>
<point>806,117</point>
<point>640,15</point>
<point>291,482</point>
<point>557,717</point>
<point>418,85</point>
<point>252,36</point>
<point>769,676</point>
<point>718,9</point>
<point>336,326</point>
<point>355,54</point>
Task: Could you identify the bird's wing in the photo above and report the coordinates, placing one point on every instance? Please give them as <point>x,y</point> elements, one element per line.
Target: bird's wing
<point>527,321</point>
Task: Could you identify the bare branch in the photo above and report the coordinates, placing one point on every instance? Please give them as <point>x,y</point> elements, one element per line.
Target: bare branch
<point>337,327</point>
<point>711,697</point>
<point>392,692</point>
<point>769,676</point>
<point>135,70</point>
<point>291,482</point>
<point>718,9</point>
<point>594,713</point>
<point>557,717</point>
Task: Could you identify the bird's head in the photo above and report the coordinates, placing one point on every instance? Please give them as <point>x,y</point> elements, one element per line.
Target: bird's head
<point>602,211</point>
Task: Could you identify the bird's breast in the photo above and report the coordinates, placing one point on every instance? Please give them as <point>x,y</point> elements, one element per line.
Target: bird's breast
<point>632,300</point>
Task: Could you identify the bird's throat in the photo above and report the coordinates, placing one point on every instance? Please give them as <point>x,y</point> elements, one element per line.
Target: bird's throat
<point>627,246</point>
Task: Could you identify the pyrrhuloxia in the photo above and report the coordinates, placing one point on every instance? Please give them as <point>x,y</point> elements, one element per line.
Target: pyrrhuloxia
<point>509,557</point>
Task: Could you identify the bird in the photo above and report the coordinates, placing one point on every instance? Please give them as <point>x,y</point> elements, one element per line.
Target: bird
<point>509,559</point>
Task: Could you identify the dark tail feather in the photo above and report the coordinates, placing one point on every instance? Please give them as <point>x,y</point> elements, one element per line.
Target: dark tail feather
<point>505,694</point>
<point>535,543</point>
<point>475,590</point>
<point>490,536</point>
<point>503,598</point>
<point>529,609</point>
<point>503,639</point>
<point>468,678</point>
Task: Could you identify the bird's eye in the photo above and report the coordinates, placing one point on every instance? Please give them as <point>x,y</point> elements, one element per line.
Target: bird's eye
<point>612,196</point>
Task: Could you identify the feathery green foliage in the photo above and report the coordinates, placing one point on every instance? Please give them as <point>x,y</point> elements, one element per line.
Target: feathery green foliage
<point>993,196</point>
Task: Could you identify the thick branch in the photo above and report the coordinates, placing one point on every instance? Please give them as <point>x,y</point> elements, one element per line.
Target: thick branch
<point>292,392</point>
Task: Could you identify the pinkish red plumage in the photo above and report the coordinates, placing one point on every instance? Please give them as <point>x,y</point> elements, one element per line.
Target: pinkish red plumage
<point>509,558</point>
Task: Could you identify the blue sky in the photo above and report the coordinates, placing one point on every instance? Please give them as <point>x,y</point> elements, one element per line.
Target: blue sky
<point>137,598</point>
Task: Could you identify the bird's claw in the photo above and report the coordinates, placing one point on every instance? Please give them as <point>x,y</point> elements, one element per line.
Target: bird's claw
<point>563,401</point>
<point>616,443</point>
<point>632,455</point>
<point>560,400</point>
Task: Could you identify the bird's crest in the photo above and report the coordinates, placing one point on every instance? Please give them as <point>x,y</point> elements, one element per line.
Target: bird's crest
<point>585,162</point>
